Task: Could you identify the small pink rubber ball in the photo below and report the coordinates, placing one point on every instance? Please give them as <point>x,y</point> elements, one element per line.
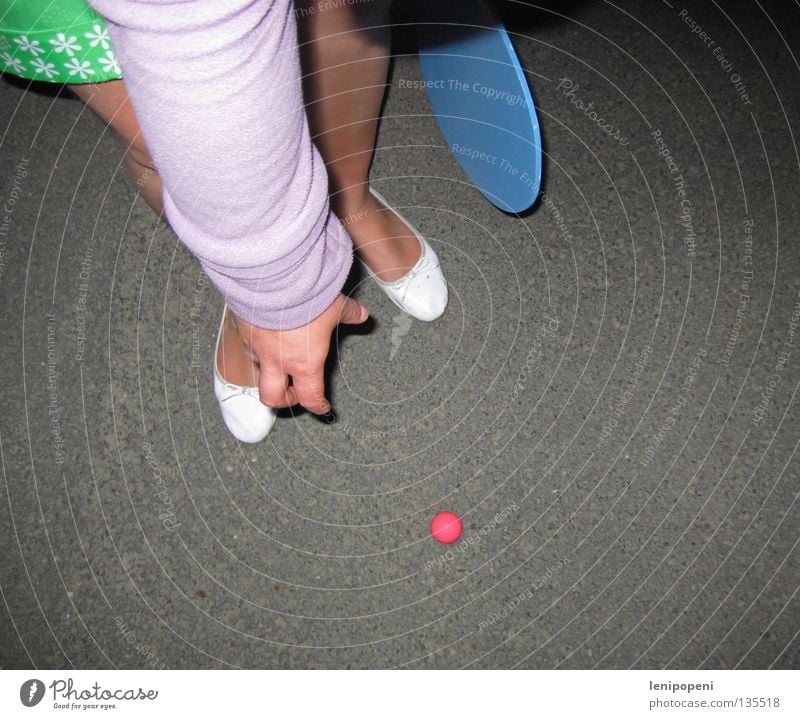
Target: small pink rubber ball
<point>446,527</point>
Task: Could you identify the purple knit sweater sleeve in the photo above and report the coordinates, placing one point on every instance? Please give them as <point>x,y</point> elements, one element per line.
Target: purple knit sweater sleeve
<point>216,87</point>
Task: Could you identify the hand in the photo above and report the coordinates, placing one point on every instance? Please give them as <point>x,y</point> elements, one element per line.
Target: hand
<point>300,354</point>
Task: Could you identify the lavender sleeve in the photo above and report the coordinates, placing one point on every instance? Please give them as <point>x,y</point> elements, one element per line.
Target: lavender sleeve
<point>216,87</point>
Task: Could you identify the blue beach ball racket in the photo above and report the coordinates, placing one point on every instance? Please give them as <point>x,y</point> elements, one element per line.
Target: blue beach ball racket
<point>481,98</point>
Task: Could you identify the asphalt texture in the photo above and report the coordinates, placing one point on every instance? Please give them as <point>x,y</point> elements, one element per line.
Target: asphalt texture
<point>609,401</point>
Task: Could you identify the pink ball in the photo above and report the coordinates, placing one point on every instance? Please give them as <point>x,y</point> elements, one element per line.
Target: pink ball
<point>446,527</point>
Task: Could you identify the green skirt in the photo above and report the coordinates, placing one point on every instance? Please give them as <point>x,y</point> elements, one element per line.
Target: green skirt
<point>62,41</point>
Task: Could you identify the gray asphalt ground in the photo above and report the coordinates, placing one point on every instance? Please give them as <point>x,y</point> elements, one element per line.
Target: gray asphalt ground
<point>610,408</point>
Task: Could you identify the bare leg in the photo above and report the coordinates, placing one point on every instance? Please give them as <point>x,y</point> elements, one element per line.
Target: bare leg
<point>109,101</point>
<point>234,359</point>
<point>345,52</point>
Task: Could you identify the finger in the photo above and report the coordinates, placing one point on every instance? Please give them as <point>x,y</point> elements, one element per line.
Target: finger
<point>310,392</point>
<point>273,388</point>
<point>353,312</point>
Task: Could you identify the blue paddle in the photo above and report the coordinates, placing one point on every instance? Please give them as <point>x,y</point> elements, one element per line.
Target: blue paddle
<point>480,95</point>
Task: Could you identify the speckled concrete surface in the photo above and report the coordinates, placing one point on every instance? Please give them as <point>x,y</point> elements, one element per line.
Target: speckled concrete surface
<point>614,421</point>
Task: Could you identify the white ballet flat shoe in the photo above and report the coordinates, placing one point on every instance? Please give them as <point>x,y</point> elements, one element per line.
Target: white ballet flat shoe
<point>244,415</point>
<point>422,291</point>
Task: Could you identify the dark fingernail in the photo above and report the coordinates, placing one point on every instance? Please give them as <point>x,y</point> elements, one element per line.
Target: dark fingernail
<point>329,416</point>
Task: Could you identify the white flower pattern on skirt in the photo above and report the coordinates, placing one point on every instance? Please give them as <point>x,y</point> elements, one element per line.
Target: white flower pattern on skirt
<point>78,54</point>
<point>47,68</point>
<point>98,37</point>
<point>31,46</point>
